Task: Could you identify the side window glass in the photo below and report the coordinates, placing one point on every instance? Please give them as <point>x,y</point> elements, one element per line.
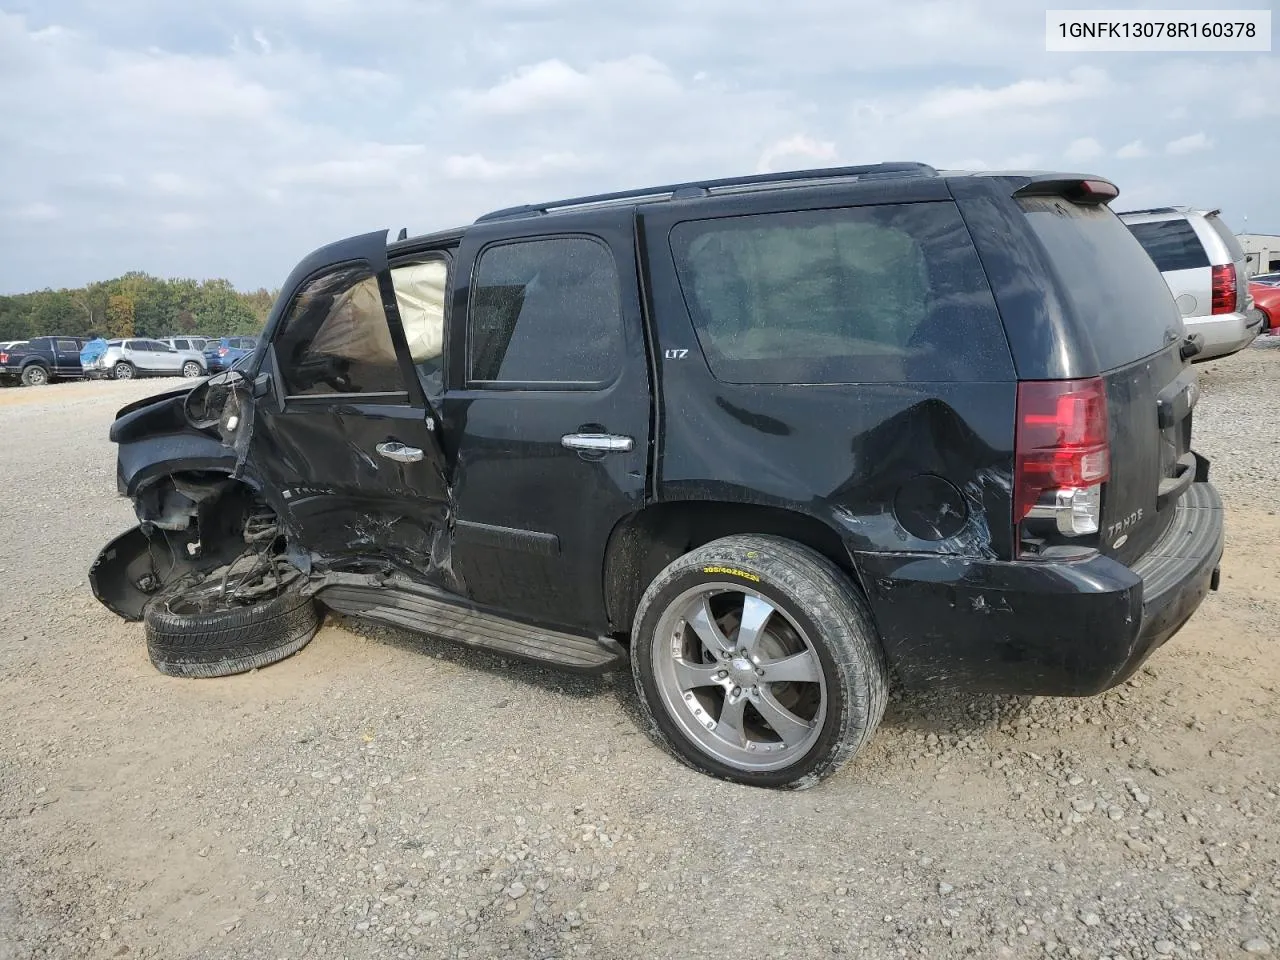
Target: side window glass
<point>1172,244</point>
<point>856,295</point>
<point>420,292</point>
<point>545,311</point>
<point>335,338</point>
<point>68,346</point>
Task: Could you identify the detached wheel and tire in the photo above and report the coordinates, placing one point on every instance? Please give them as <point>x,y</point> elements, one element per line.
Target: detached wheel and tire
<point>35,376</point>
<point>122,371</point>
<point>192,369</point>
<point>756,661</point>
<point>190,635</point>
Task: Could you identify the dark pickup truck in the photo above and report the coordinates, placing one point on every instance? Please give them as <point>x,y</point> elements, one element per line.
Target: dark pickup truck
<point>775,440</point>
<point>41,360</point>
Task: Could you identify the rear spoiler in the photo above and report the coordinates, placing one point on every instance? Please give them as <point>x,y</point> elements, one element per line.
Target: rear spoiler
<point>1076,189</point>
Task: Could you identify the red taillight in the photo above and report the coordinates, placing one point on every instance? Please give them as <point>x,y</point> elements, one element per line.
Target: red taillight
<point>222,351</point>
<point>1061,441</point>
<point>1224,289</point>
<point>4,358</point>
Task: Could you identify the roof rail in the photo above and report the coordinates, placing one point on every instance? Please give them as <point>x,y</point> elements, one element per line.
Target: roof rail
<point>1157,210</point>
<point>702,188</point>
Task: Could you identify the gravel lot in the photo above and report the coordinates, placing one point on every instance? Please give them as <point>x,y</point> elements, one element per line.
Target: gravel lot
<point>382,795</point>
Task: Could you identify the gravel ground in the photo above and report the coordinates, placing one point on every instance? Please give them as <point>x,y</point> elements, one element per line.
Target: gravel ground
<point>382,795</point>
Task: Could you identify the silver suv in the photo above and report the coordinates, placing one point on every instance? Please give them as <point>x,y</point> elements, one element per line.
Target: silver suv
<point>1204,266</point>
<point>137,357</point>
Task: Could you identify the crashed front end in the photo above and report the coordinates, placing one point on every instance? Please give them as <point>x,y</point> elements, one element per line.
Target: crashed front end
<point>180,459</point>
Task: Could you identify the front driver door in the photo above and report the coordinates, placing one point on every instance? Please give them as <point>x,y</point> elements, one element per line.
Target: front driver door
<point>345,447</point>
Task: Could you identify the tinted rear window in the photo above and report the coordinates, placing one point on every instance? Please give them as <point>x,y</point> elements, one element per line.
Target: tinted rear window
<point>1228,238</point>
<point>1121,301</point>
<point>854,295</point>
<point>1172,244</point>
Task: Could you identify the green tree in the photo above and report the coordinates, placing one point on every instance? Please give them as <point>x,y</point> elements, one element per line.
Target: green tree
<point>13,319</point>
<point>120,315</point>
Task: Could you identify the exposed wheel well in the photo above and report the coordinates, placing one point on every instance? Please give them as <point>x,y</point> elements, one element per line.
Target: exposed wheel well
<point>642,544</point>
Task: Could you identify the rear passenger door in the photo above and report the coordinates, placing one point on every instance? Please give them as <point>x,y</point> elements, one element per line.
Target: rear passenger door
<point>151,355</point>
<point>547,411</point>
<point>67,358</point>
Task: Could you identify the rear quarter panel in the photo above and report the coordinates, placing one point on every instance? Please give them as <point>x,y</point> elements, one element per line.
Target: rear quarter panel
<point>841,453</point>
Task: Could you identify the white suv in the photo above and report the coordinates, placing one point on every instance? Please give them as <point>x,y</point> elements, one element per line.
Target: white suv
<point>1204,266</point>
<point>126,359</point>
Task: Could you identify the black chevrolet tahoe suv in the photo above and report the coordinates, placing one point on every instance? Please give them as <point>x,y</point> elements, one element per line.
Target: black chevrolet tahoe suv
<point>775,440</point>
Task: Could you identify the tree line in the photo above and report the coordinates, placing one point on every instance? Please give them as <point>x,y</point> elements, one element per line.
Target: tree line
<point>135,305</point>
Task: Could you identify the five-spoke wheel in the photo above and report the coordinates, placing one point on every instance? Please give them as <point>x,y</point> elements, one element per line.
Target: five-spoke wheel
<point>742,678</point>
<point>756,660</point>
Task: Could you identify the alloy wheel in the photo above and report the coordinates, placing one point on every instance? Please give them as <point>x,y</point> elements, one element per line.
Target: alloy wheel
<point>740,677</point>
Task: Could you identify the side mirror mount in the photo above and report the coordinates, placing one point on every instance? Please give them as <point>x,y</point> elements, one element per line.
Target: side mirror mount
<point>261,386</point>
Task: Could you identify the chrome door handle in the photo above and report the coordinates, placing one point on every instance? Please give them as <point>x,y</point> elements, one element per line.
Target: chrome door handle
<point>597,442</point>
<point>398,452</point>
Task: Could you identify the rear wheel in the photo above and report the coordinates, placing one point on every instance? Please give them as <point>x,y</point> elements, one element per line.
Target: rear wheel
<point>122,371</point>
<point>191,369</point>
<point>756,661</point>
<point>35,376</point>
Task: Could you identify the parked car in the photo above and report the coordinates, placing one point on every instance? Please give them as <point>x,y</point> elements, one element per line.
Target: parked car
<point>221,354</point>
<point>840,423</point>
<point>41,360</point>
<point>137,357</point>
<point>1266,298</point>
<point>1205,267</point>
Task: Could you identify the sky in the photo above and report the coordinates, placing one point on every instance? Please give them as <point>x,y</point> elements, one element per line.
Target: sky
<point>230,137</point>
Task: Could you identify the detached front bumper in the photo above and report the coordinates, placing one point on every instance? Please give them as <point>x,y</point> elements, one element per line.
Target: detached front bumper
<point>1044,628</point>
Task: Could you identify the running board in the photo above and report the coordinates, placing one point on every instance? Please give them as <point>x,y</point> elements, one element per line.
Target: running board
<point>413,606</point>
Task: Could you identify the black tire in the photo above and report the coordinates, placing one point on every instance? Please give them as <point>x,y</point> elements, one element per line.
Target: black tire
<point>36,376</point>
<point>192,369</point>
<point>123,371</point>
<point>226,642</point>
<point>809,590</point>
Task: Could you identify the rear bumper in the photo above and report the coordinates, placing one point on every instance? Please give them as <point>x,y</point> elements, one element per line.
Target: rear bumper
<point>1225,334</point>
<point>1043,629</point>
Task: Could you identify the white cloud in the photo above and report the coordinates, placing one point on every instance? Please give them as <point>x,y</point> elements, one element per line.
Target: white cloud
<point>178,222</point>
<point>553,84</point>
<point>368,165</point>
<point>1191,143</point>
<point>476,166</point>
<point>37,212</point>
<point>796,152</point>
<point>176,147</point>
<point>168,183</point>
<point>953,103</point>
<point>1083,149</point>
